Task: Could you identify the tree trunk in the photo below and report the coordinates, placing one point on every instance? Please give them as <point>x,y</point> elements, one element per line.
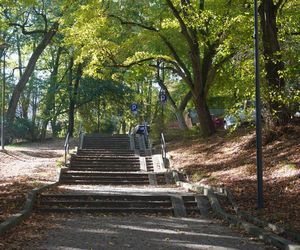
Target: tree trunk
<point>11,112</point>
<point>123,127</point>
<point>149,103</point>
<point>273,61</point>
<point>206,123</point>
<point>25,98</point>
<point>50,96</point>
<point>178,111</point>
<point>196,81</point>
<point>180,119</point>
<point>73,96</point>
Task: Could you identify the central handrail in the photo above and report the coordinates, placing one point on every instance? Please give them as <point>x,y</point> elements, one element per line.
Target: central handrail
<point>81,135</point>
<point>146,135</point>
<point>163,146</point>
<point>66,147</point>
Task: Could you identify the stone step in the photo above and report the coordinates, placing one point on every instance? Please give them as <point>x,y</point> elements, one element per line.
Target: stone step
<point>195,205</point>
<point>105,204</point>
<point>105,151</point>
<point>108,210</point>
<point>112,147</point>
<point>106,160</point>
<point>102,173</point>
<point>104,169</point>
<point>106,138</point>
<point>103,178</point>
<point>104,182</point>
<point>104,165</point>
<point>106,135</point>
<point>106,143</point>
<point>102,138</point>
<point>105,157</point>
<point>105,174</point>
<point>103,160</point>
<point>103,197</point>
<point>139,203</point>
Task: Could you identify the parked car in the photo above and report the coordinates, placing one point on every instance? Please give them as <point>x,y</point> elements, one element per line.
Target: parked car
<point>218,121</point>
<point>245,115</point>
<point>216,115</point>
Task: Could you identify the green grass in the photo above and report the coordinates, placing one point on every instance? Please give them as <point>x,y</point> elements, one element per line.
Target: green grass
<point>290,166</point>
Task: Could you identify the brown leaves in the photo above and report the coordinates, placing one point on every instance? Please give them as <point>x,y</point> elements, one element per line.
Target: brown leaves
<point>230,161</point>
<point>26,234</point>
<point>13,196</point>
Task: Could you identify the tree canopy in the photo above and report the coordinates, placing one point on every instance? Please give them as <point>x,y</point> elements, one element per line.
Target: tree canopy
<point>66,62</point>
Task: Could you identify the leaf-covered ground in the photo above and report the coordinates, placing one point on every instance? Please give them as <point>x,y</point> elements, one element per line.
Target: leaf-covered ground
<point>229,160</point>
<point>24,167</point>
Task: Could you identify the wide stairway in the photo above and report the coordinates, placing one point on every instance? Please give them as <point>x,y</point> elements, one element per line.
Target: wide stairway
<point>108,160</point>
<point>114,174</point>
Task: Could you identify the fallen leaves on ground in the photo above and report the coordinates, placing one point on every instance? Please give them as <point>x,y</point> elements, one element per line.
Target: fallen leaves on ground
<point>13,196</point>
<point>229,160</point>
<point>27,233</point>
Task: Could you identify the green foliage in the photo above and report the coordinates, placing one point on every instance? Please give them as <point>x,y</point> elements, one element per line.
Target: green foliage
<point>119,42</point>
<point>22,129</point>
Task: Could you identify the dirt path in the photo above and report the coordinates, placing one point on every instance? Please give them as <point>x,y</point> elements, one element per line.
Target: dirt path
<point>24,167</point>
<point>34,160</point>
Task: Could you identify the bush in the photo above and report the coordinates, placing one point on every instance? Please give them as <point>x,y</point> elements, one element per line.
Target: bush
<point>21,129</point>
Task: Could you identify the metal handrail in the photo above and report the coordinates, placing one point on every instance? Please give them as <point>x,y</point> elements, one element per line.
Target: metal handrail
<point>163,146</point>
<point>66,147</point>
<point>146,136</point>
<point>81,135</point>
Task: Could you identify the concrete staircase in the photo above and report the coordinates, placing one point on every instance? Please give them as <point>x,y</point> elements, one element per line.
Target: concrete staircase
<point>187,205</point>
<point>108,160</point>
<point>129,176</point>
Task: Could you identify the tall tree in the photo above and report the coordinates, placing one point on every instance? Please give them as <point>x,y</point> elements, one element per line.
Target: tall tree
<point>73,93</point>
<point>49,106</point>
<point>47,37</point>
<point>32,19</point>
<point>273,62</point>
<point>196,44</point>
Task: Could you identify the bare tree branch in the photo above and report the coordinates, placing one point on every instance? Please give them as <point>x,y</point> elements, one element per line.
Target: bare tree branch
<point>122,21</point>
<point>26,32</point>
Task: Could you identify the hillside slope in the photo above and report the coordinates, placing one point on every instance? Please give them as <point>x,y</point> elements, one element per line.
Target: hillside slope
<point>229,160</point>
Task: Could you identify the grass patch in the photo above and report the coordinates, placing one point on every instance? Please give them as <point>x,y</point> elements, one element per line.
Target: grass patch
<point>290,166</point>
<point>198,176</point>
<point>60,162</point>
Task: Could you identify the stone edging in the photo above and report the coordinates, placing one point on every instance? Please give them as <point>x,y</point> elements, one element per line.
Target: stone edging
<point>258,232</point>
<point>17,218</point>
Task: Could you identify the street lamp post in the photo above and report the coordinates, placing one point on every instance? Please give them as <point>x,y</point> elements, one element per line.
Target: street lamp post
<point>259,161</point>
<point>4,47</point>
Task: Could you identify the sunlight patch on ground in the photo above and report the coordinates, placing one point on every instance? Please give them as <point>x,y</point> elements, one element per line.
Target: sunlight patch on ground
<point>171,231</point>
<point>287,170</point>
<point>242,172</point>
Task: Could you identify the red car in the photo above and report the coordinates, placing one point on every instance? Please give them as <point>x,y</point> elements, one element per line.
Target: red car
<point>218,121</point>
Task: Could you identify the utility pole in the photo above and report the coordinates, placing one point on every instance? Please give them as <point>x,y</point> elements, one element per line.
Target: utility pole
<point>259,160</point>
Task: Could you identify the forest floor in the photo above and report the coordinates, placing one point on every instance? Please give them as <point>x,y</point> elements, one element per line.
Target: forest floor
<point>229,160</point>
<point>23,167</point>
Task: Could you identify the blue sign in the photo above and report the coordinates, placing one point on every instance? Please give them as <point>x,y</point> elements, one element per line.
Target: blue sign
<point>162,96</point>
<point>133,107</point>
